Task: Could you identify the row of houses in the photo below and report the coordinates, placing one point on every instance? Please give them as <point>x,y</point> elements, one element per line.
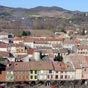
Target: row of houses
<point>25,62</point>
<point>24,47</point>
<point>48,42</point>
<point>76,68</point>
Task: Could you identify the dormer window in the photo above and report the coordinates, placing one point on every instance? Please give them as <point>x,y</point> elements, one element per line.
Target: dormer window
<point>50,71</point>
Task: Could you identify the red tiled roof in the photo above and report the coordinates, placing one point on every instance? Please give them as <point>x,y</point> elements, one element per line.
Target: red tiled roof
<point>17,38</point>
<point>41,65</point>
<point>49,51</point>
<point>59,66</point>
<point>80,36</point>
<point>63,50</point>
<point>71,41</point>
<point>3,33</point>
<point>3,45</point>
<point>21,56</point>
<point>19,45</point>
<point>83,47</point>
<point>18,66</point>
<point>10,66</point>
<point>21,66</point>
<point>78,61</point>
<point>42,39</point>
<point>86,57</point>
<point>30,51</point>
<point>16,45</point>
<point>4,54</point>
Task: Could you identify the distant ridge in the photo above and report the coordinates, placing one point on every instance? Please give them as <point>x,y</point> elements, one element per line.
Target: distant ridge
<point>11,13</point>
<point>42,8</point>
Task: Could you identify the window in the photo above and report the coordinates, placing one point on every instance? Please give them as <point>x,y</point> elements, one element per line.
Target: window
<point>35,77</point>
<point>7,72</point>
<point>17,50</point>
<point>67,66</point>
<point>61,76</point>
<point>65,76</point>
<point>56,76</point>
<point>56,71</point>
<point>51,76</point>
<point>41,71</point>
<point>48,76</point>
<point>85,69</point>
<point>7,76</point>
<point>22,50</point>
<point>11,77</point>
<point>31,71</point>
<point>31,77</point>
<point>11,72</point>
<point>35,71</point>
<point>61,71</point>
<point>26,76</point>
<point>50,71</point>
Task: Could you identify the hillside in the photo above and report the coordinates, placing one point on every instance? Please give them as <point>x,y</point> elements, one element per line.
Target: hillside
<point>37,11</point>
<point>54,18</point>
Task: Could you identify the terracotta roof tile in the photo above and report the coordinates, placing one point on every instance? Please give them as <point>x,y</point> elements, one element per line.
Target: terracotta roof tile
<point>21,66</point>
<point>4,33</point>
<point>4,54</point>
<point>10,66</point>
<point>78,61</point>
<point>21,56</point>
<point>17,66</point>
<point>17,38</point>
<point>59,66</point>
<point>71,41</point>
<point>30,51</point>
<point>63,50</point>
<point>42,39</point>
<point>3,45</point>
<point>69,67</point>
<point>83,46</point>
<point>41,65</point>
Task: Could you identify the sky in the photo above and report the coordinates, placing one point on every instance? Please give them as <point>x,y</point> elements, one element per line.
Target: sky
<point>81,5</point>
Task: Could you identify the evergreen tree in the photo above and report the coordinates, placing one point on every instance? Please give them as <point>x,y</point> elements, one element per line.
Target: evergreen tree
<point>58,57</point>
<point>26,33</point>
